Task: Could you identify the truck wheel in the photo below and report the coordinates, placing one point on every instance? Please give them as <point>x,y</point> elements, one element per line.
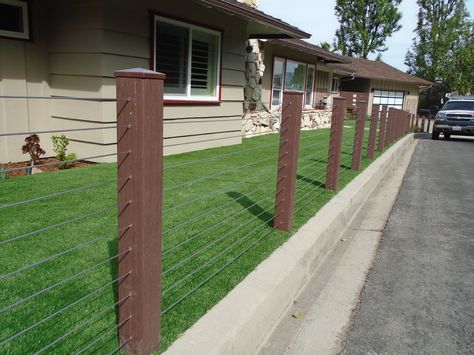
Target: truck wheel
<point>435,135</point>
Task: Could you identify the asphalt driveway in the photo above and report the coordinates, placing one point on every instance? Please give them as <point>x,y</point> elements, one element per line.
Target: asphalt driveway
<point>419,296</point>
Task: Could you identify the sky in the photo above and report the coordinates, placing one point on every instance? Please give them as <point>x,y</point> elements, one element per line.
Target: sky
<point>317,17</point>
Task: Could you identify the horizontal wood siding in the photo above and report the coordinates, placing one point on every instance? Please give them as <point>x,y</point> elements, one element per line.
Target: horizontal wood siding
<point>83,56</point>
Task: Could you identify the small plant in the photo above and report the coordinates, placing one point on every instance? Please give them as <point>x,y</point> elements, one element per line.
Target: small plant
<point>33,148</point>
<point>60,144</point>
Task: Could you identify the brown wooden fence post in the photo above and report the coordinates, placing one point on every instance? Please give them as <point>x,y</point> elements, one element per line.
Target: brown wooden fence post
<point>383,129</point>
<point>391,124</point>
<point>140,196</point>
<point>288,159</point>
<point>400,124</point>
<point>397,123</point>
<point>335,142</point>
<point>374,118</point>
<point>359,135</point>
<point>410,120</point>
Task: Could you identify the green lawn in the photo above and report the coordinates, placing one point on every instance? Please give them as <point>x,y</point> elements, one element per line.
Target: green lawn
<point>218,211</point>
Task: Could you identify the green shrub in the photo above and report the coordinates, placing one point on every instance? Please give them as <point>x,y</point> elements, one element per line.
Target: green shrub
<point>60,144</point>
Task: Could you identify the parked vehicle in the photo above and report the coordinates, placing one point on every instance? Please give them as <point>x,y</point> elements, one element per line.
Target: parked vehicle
<point>456,117</point>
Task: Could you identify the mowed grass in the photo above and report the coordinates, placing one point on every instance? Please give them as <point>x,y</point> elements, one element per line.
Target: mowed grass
<point>217,227</point>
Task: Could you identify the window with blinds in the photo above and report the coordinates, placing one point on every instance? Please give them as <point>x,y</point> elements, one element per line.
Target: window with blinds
<point>189,56</point>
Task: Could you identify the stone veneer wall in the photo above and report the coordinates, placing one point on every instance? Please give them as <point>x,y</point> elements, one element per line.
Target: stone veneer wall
<point>258,122</point>
<point>259,119</point>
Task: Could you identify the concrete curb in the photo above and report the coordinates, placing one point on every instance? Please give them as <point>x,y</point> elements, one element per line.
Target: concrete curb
<point>244,318</point>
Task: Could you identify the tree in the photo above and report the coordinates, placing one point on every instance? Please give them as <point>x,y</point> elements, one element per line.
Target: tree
<point>365,25</point>
<point>443,48</point>
<point>325,45</point>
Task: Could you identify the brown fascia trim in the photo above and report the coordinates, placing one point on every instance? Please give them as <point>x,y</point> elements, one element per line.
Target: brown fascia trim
<point>259,16</point>
<point>329,58</point>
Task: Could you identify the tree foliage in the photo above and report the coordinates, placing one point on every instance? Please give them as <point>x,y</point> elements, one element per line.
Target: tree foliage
<point>325,45</point>
<point>443,48</point>
<point>365,25</point>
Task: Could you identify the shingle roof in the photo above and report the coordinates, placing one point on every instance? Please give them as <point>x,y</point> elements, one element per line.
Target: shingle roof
<point>374,69</point>
<point>237,7</point>
<point>312,49</point>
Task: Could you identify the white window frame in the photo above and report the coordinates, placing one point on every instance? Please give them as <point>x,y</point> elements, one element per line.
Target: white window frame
<point>26,20</point>
<point>283,60</point>
<point>311,105</point>
<point>299,63</point>
<point>338,80</point>
<point>188,96</point>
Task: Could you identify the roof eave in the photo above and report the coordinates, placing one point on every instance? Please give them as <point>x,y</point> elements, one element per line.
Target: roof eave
<point>328,57</point>
<point>284,30</point>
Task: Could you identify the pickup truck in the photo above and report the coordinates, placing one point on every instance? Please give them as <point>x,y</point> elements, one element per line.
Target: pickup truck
<point>456,117</point>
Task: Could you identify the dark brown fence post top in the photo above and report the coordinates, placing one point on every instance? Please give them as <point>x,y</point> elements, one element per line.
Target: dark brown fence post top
<point>139,73</point>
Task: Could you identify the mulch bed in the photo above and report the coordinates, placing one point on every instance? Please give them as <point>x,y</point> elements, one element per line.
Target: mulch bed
<point>45,169</point>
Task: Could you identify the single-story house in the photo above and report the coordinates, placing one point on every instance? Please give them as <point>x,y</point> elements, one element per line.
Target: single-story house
<point>278,64</point>
<point>72,48</point>
<point>379,83</point>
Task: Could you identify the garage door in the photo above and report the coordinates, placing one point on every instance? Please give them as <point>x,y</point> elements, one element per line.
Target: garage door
<point>389,98</point>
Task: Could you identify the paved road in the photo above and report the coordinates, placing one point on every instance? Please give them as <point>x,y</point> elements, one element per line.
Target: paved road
<point>419,297</point>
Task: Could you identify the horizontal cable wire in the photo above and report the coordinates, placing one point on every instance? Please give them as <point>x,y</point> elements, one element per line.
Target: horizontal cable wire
<point>55,256</point>
<point>120,346</point>
<point>173,121</point>
<point>56,194</point>
<point>180,281</point>
<point>61,162</point>
<point>216,192</point>
<point>210,244</point>
<point>95,317</point>
<point>57,225</point>
<point>271,145</point>
<point>63,281</point>
<point>215,139</point>
<point>166,251</point>
<point>94,99</point>
<point>33,326</point>
<point>234,136</point>
<point>198,216</point>
<point>220,269</point>
<point>60,130</point>
<point>204,178</point>
<point>100,337</point>
<point>170,249</point>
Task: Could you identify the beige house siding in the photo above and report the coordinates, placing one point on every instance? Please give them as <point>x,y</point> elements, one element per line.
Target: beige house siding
<point>410,101</point>
<point>23,72</point>
<point>78,47</point>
